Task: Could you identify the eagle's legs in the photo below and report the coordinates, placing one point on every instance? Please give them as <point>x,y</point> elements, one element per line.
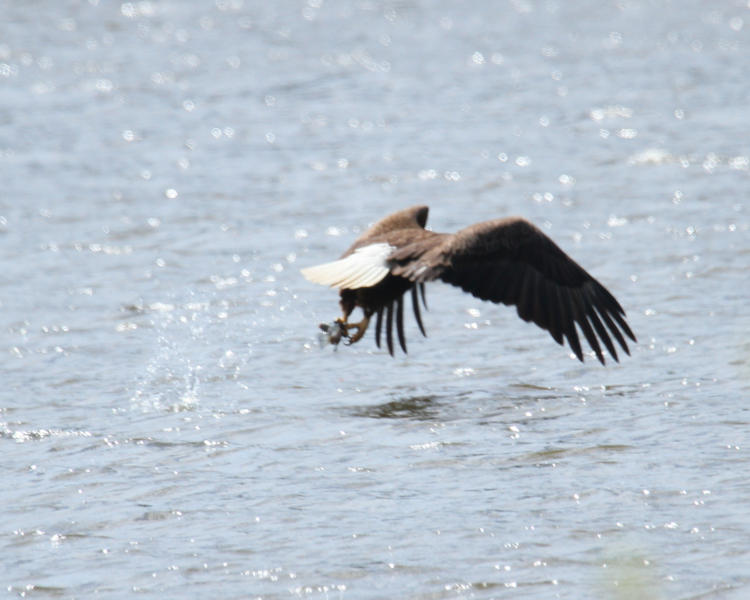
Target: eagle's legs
<point>348,303</point>
<point>344,325</point>
<point>361,327</point>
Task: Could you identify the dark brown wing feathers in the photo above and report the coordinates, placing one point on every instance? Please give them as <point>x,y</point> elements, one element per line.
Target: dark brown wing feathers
<point>415,305</point>
<point>389,328</point>
<point>378,326</point>
<point>510,261</point>
<point>399,229</point>
<point>400,322</point>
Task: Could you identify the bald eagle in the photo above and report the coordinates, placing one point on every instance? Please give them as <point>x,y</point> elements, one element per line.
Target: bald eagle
<point>503,260</point>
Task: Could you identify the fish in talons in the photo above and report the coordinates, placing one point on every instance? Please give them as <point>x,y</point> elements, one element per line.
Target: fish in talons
<point>334,332</point>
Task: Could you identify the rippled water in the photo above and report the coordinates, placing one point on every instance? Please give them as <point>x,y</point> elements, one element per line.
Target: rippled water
<point>171,428</point>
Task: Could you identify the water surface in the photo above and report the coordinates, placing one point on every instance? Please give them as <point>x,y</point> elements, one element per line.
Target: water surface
<point>170,426</point>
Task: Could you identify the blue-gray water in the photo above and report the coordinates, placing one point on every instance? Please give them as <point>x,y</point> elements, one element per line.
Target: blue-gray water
<point>169,427</point>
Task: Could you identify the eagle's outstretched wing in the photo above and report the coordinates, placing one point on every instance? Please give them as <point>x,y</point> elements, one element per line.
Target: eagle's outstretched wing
<point>513,262</point>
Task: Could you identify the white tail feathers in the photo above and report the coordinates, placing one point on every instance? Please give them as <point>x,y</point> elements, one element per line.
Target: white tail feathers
<point>364,267</point>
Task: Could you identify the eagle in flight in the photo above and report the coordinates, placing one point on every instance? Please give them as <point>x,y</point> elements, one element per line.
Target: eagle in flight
<point>503,260</point>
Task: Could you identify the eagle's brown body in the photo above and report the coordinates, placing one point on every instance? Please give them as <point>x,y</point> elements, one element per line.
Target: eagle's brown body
<point>503,260</point>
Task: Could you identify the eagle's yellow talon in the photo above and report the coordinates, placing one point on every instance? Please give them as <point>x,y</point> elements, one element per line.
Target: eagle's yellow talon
<point>361,327</point>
